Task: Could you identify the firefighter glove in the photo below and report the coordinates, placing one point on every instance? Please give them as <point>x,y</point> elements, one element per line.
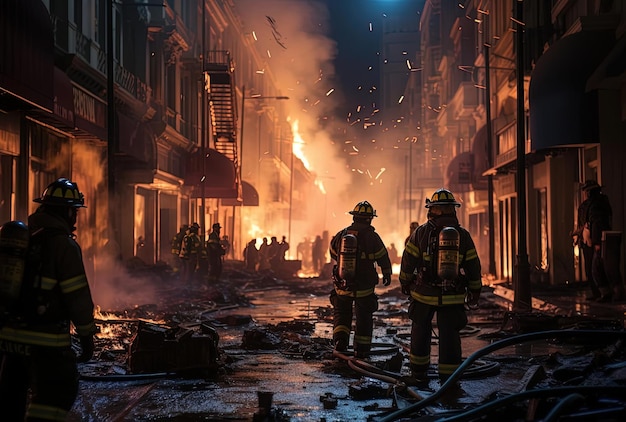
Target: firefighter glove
<point>386,279</point>
<point>472,300</point>
<point>87,346</point>
<point>406,289</point>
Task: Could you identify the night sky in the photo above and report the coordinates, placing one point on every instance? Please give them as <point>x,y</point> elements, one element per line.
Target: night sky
<point>358,48</point>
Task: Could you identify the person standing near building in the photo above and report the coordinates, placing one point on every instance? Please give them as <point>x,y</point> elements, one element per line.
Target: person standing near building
<point>251,256</point>
<point>190,253</point>
<point>414,225</point>
<point>264,255</point>
<point>444,281</point>
<point>318,254</point>
<point>582,238</point>
<point>598,218</point>
<point>284,247</point>
<point>357,288</point>
<point>215,253</point>
<point>175,243</point>
<point>38,375</point>
<point>393,254</point>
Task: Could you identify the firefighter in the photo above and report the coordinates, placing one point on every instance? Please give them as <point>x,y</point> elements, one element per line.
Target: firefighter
<point>190,253</point>
<point>39,376</point>
<point>175,243</point>
<point>357,287</point>
<point>215,253</point>
<point>447,273</point>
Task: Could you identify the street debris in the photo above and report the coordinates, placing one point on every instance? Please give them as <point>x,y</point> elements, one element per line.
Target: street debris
<point>258,347</point>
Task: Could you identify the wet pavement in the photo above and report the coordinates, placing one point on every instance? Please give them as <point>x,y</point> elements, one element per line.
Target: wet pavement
<point>305,382</point>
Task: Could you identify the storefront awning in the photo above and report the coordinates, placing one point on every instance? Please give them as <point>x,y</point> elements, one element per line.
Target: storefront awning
<point>27,52</point>
<point>459,174</point>
<point>562,113</point>
<point>212,174</point>
<point>135,140</point>
<point>90,113</point>
<point>63,99</point>
<point>62,116</point>
<point>481,158</point>
<point>249,197</point>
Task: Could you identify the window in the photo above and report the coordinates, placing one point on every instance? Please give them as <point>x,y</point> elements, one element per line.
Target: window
<point>99,28</point>
<point>507,140</point>
<point>78,15</point>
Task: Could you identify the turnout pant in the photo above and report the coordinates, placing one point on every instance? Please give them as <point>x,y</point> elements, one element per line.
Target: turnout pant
<point>450,320</point>
<point>364,308</point>
<point>51,375</point>
<point>215,267</point>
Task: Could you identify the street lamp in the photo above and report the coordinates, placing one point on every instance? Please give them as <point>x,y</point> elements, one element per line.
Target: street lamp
<point>243,104</point>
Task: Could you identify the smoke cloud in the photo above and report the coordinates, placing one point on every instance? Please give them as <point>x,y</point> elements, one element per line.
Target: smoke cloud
<point>293,37</point>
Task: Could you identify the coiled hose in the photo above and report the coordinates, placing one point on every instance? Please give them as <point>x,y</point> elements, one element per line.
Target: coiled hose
<point>523,338</point>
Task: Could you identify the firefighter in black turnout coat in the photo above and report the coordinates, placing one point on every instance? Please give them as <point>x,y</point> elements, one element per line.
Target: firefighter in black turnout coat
<point>39,376</point>
<point>440,269</point>
<point>356,249</point>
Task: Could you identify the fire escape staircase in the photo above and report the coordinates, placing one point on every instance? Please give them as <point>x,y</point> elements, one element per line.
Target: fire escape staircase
<point>222,106</point>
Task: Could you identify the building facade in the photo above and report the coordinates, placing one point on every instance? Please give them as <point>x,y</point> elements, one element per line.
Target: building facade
<point>572,75</point>
<point>169,148</point>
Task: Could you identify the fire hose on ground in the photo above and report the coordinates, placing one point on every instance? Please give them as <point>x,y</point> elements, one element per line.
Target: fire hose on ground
<point>524,338</point>
<point>399,380</point>
<point>573,395</point>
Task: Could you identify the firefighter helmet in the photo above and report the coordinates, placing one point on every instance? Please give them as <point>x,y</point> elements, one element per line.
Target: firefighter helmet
<point>194,228</point>
<point>62,192</point>
<point>216,226</point>
<point>442,197</point>
<point>363,209</point>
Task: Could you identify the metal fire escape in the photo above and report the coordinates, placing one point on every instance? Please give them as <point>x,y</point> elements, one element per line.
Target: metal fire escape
<point>222,105</point>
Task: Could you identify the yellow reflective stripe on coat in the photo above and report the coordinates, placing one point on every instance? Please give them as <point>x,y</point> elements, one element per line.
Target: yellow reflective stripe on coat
<point>457,299</point>
<point>379,254</point>
<point>474,284</point>
<point>412,249</point>
<point>35,338</point>
<point>49,413</point>
<point>48,283</point>
<point>73,284</point>
<point>358,293</point>
<point>404,276</point>
<point>471,254</point>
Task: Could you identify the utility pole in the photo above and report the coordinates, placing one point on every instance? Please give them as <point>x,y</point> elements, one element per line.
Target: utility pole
<point>490,210</point>
<point>203,123</point>
<point>111,144</point>
<point>523,298</point>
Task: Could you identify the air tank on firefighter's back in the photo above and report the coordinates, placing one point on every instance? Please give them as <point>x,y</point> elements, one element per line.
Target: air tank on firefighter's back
<point>448,254</point>
<point>346,262</point>
<point>14,237</point>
